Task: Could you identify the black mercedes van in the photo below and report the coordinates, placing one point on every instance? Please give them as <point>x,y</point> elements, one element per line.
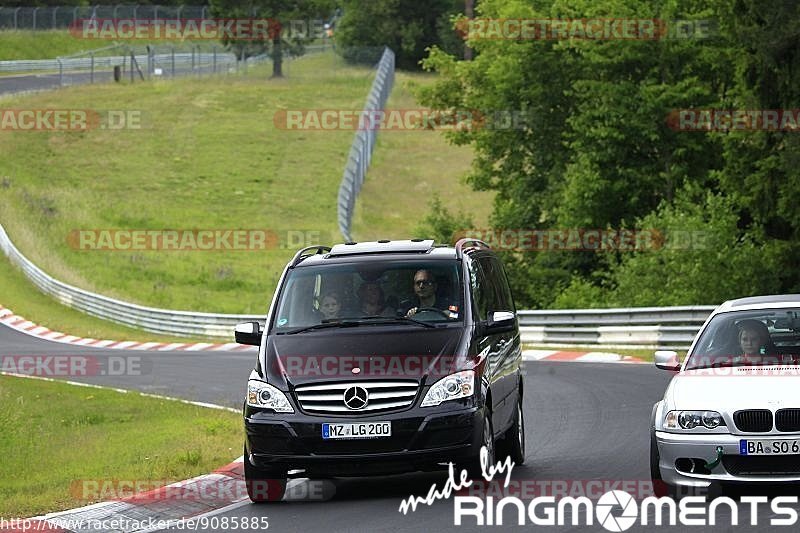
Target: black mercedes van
<point>381,358</point>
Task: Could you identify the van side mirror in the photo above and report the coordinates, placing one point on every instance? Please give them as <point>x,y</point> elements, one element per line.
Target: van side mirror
<point>667,360</point>
<point>500,322</point>
<point>248,333</point>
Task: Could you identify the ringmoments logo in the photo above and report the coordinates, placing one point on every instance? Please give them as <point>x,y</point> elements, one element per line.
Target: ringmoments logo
<point>618,510</point>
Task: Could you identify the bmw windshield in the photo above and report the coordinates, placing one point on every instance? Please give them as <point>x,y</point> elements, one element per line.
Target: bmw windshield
<point>761,337</point>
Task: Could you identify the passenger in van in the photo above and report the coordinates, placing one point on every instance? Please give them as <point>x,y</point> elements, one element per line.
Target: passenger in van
<point>755,341</point>
<point>373,302</point>
<point>330,306</point>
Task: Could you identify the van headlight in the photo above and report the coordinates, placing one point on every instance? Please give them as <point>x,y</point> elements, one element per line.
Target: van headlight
<point>452,387</point>
<point>265,396</point>
<point>693,419</point>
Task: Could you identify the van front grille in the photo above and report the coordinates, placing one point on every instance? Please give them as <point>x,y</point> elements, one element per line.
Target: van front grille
<point>381,396</point>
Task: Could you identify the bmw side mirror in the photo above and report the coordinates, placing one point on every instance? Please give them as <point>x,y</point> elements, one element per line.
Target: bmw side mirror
<point>667,360</point>
<point>248,333</point>
<point>500,322</point>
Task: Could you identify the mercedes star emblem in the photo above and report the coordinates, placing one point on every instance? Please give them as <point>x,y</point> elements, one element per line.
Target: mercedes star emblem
<point>356,398</point>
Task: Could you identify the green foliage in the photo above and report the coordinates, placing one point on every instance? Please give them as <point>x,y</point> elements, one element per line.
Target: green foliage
<point>708,260</point>
<point>281,40</point>
<point>405,26</point>
<point>598,151</point>
<point>442,226</point>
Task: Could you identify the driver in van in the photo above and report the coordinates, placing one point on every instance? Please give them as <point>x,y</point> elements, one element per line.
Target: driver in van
<point>425,291</point>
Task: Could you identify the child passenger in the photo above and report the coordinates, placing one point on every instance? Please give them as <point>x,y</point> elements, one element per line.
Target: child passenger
<point>330,306</point>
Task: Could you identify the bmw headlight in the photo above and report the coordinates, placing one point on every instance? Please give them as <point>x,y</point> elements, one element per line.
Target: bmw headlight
<point>458,385</point>
<point>693,419</point>
<point>265,396</point>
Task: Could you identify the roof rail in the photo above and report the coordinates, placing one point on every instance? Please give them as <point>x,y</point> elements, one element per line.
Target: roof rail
<point>383,246</point>
<point>299,256</point>
<point>469,243</point>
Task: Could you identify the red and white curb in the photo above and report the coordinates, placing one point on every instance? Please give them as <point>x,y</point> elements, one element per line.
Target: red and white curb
<point>583,357</point>
<point>185,504</point>
<point>152,510</point>
<point>163,507</point>
<point>8,318</point>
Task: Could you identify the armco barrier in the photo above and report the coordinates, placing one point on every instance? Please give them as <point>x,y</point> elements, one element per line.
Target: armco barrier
<point>635,327</point>
<point>638,327</point>
<point>163,321</point>
<point>363,143</point>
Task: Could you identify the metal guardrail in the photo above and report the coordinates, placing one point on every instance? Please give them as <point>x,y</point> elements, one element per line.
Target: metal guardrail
<point>363,143</point>
<point>135,63</point>
<point>638,327</point>
<point>163,321</point>
<point>57,17</point>
<point>107,62</point>
<point>634,327</point>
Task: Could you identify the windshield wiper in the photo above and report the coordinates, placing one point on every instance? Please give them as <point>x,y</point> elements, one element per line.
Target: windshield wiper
<point>397,319</point>
<point>717,364</point>
<point>335,324</point>
<point>364,320</point>
<point>748,364</point>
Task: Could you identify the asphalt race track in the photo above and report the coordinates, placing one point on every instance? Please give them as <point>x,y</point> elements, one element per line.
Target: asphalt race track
<point>39,82</point>
<point>584,421</point>
<point>214,377</point>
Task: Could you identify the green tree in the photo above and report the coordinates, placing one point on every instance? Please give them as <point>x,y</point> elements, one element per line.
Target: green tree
<point>598,151</point>
<point>280,38</point>
<point>440,225</point>
<point>405,26</point>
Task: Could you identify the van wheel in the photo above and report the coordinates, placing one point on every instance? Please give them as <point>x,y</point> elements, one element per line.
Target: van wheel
<point>473,466</point>
<point>264,485</point>
<point>513,443</point>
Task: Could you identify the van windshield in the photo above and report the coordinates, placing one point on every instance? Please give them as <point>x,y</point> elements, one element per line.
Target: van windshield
<point>423,291</point>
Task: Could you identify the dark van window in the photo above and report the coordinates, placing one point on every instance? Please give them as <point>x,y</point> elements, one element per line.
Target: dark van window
<point>481,290</point>
<point>496,286</point>
<point>502,286</point>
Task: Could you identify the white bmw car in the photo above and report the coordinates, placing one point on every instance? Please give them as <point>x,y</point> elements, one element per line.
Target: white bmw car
<point>731,414</point>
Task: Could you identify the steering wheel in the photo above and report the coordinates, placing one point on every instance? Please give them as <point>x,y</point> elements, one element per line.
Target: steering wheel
<point>442,312</point>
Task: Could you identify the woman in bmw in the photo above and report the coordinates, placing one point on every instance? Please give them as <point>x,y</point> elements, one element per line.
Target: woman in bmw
<point>732,412</point>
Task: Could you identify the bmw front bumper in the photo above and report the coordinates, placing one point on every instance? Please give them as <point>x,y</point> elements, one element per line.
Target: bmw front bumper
<point>676,450</point>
